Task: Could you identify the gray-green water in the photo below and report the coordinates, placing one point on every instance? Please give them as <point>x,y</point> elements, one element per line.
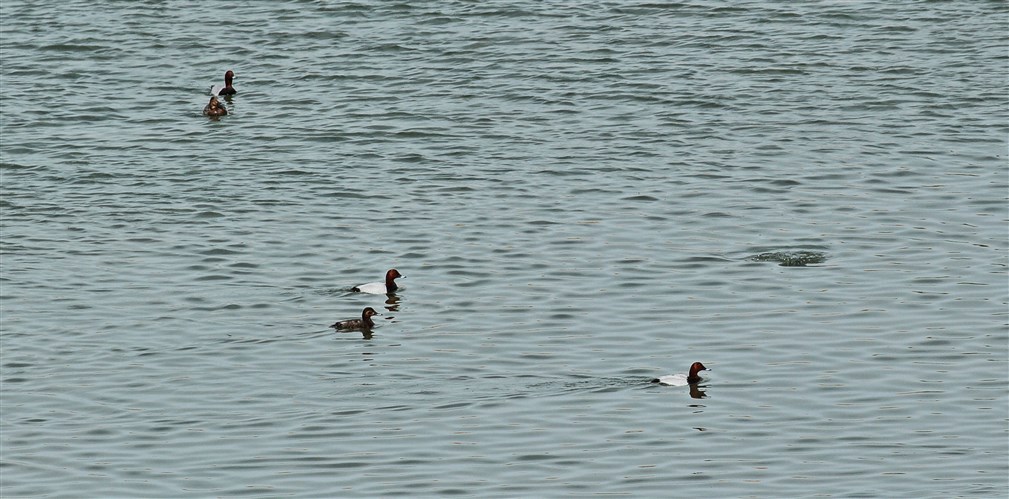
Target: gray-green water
<point>582,197</point>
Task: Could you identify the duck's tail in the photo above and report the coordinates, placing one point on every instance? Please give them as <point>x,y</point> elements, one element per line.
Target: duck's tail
<point>215,90</point>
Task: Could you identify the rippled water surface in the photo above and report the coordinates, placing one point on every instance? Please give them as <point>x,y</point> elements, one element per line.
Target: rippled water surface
<point>810,198</point>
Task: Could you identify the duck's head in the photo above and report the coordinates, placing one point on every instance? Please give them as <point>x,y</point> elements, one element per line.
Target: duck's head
<point>696,367</point>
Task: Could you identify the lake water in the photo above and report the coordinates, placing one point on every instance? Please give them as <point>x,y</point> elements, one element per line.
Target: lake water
<point>581,195</point>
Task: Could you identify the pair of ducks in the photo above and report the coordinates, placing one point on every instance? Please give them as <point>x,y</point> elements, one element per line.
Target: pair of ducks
<point>389,286</point>
<point>214,108</point>
<point>376,288</point>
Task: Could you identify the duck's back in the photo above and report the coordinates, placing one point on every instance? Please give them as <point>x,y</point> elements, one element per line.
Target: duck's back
<point>672,380</point>
<point>375,288</point>
<point>348,324</point>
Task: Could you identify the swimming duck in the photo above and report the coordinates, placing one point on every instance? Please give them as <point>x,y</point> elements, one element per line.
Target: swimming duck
<point>215,108</point>
<point>683,379</point>
<point>227,89</point>
<point>364,322</point>
<point>380,288</point>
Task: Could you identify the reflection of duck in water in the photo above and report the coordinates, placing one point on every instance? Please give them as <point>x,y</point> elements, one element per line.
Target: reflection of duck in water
<point>215,108</point>
<point>363,324</point>
<point>392,302</point>
<point>697,393</point>
<point>692,378</point>
<point>381,288</point>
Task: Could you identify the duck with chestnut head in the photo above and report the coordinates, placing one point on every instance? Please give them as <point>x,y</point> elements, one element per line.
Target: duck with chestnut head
<point>691,378</point>
<point>380,288</point>
<point>228,89</point>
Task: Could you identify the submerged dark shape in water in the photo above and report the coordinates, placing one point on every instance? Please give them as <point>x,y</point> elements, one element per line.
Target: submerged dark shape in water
<point>791,258</point>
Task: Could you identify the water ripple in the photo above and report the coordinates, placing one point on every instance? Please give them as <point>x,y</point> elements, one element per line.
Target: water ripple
<point>582,197</point>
